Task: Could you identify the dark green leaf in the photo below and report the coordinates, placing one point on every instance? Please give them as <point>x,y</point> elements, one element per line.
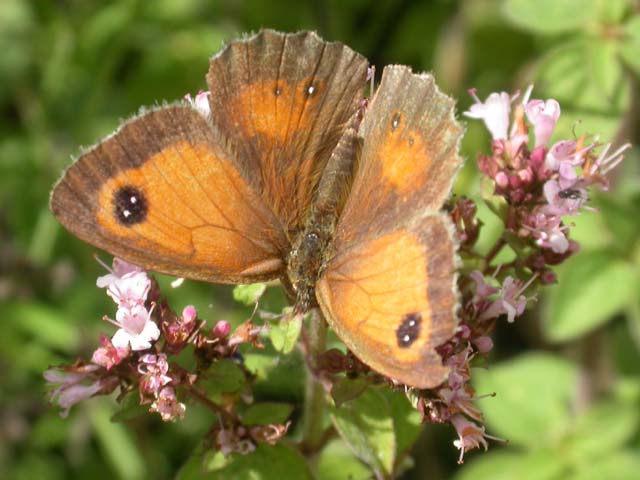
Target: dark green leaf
<point>266,413</point>
<point>345,389</point>
<point>224,376</point>
<point>130,408</point>
<point>117,444</point>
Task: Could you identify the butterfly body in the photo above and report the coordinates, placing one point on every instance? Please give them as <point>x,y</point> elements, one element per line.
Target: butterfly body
<point>283,181</point>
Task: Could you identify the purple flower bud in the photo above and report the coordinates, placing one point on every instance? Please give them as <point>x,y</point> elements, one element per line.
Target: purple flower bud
<point>222,329</point>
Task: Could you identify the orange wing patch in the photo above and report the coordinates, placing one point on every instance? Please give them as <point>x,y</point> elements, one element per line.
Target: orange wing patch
<point>202,218</point>
<point>163,192</point>
<point>272,104</point>
<point>392,300</point>
<point>402,155</point>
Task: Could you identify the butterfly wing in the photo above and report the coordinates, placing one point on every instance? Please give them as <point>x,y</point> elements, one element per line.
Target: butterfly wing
<point>163,192</point>
<point>284,101</point>
<point>389,288</point>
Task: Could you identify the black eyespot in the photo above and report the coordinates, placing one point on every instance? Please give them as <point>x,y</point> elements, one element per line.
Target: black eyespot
<point>409,330</point>
<point>130,205</point>
<point>277,91</point>
<point>395,121</point>
<point>310,90</point>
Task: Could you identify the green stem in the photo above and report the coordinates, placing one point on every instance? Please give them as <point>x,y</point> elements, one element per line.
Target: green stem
<point>312,430</point>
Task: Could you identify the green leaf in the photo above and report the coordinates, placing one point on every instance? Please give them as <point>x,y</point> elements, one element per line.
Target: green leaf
<point>592,287</point>
<point>224,376</point>
<point>586,77</point>
<point>603,429</point>
<point>130,408</point>
<point>345,389</point>
<point>365,424</point>
<point>45,324</point>
<point>550,16</point>
<point>266,413</point>
<point>621,465</point>
<point>631,44</point>
<point>118,446</point>
<point>537,465</point>
<point>407,422</point>
<point>265,463</point>
<point>539,387</point>
<point>249,294</point>
<point>337,462</point>
<point>616,212</point>
<point>284,335</point>
<point>612,11</point>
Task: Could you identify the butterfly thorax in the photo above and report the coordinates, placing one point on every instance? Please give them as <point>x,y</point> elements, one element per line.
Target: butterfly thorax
<point>305,264</point>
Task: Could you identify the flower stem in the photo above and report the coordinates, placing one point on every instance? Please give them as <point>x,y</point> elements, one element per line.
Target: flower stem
<point>493,252</point>
<point>312,431</point>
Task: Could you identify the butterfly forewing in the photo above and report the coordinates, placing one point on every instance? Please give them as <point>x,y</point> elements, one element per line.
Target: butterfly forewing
<point>164,193</point>
<point>284,101</point>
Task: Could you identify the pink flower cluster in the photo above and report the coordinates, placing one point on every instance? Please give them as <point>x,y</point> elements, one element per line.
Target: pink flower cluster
<point>541,183</point>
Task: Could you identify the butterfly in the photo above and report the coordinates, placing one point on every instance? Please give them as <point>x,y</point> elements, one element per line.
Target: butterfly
<point>285,181</point>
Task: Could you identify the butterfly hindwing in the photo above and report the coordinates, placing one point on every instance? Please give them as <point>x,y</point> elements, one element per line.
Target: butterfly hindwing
<point>163,192</point>
<point>389,283</point>
<point>392,299</point>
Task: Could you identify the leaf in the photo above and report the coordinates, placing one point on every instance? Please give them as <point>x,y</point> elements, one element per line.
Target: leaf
<point>612,11</point>
<point>284,335</point>
<point>592,287</point>
<point>266,413</point>
<point>337,462</point>
<point>631,44</point>
<point>407,422</point>
<point>616,212</point>
<point>224,376</point>
<point>586,77</point>
<point>550,16</point>
<point>621,465</point>
<point>602,430</point>
<point>345,389</point>
<point>265,463</point>
<point>533,396</point>
<point>130,408</point>
<point>249,294</point>
<point>45,324</point>
<point>365,424</point>
<point>117,445</point>
<point>537,465</point>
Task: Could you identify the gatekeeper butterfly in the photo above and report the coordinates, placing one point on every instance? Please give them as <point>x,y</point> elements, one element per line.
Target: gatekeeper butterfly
<point>285,181</point>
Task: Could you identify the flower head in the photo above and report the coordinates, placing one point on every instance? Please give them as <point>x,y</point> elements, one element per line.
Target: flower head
<point>494,112</point>
<point>108,355</point>
<point>200,103</point>
<point>137,329</point>
<point>154,370</point>
<point>543,115</point>
<point>76,383</point>
<point>167,405</point>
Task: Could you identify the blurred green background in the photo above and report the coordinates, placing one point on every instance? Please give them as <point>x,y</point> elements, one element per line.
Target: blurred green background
<point>567,374</point>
